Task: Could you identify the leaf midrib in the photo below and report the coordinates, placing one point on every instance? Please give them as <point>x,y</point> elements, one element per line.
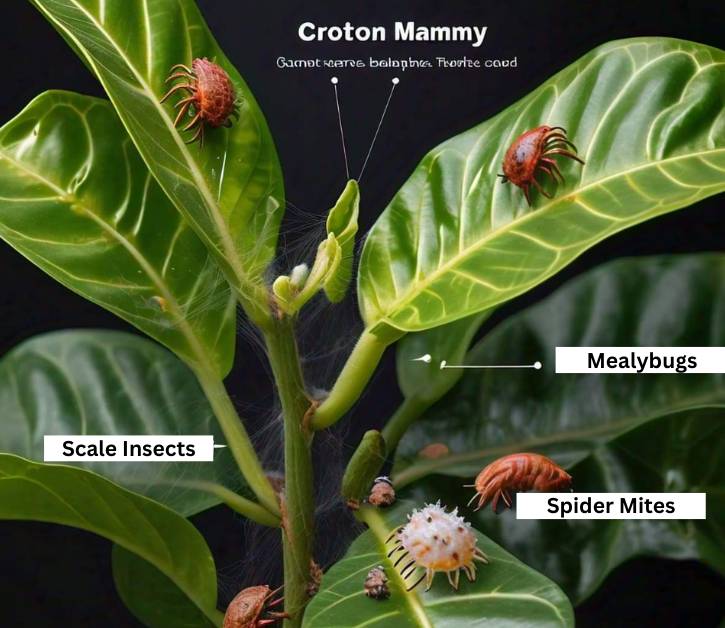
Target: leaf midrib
<point>226,239</point>
<point>66,198</point>
<point>421,285</point>
<point>418,470</point>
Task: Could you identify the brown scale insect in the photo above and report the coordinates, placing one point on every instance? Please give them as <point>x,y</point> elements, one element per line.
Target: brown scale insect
<point>382,494</point>
<point>517,473</point>
<point>211,96</point>
<point>534,151</point>
<point>376,584</point>
<point>245,610</point>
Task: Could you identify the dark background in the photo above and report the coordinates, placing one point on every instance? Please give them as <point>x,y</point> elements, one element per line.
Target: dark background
<point>59,576</point>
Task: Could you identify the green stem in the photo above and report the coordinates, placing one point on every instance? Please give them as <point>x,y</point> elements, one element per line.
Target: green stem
<point>237,439</point>
<point>298,502</point>
<point>352,380</point>
<point>404,416</point>
<point>242,505</point>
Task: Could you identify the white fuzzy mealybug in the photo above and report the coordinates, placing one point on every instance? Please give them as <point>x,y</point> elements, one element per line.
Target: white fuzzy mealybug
<point>436,540</point>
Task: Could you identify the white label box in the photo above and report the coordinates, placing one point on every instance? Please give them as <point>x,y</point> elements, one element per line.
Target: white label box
<point>677,360</point>
<point>611,506</point>
<point>81,448</point>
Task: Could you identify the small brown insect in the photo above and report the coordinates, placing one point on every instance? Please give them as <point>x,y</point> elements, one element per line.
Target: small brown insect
<point>313,585</point>
<point>434,451</point>
<point>533,151</point>
<point>515,473</point>
<point>245,610</point>
<point>211,95</point>
<point>376,584</point>
<point>382,494</point>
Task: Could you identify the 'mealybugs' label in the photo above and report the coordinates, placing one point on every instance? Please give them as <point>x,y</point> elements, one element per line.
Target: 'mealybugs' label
<point>611,506</point>
<point>81,448</point>
<point>677,360</point>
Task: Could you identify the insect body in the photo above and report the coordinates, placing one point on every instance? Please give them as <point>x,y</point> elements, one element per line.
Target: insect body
<point>376,584</point>
<point>436,540</point>
<point>518,472</point>
<point>382,494</point>
<point>245,610</point>
<point>210,94</point>
<point>534,151</point>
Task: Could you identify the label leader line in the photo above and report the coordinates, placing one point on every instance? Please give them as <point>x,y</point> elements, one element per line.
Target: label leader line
<point>444,365</point>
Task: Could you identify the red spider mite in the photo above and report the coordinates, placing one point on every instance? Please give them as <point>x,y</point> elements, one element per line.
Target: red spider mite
<point>533,151</point>
<point>245,610</point>
<point>515,473</point>
<point>211,94</point>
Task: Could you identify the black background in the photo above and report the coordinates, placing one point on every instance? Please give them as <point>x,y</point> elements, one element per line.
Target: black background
<point>58,576</point>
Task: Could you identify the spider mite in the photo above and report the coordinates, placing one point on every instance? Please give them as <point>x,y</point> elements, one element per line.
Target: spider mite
<point>436,540</point>
<point>208,92</point>
<point>246,609</point>
<point>534,151</point>
<point>515,473</point>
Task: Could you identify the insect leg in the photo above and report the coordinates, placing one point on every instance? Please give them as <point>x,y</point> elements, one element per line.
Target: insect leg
<point>479,555</point>
<point>525,188</point>
<point>193,122</point>
<point>429,575</point>
<point>400,558</point>
<point>545,169</point>
<point>454,578</point>
<point>198,135</point>
<point>566,153</point>
<point>182,112</point>
<point>417,582</point>
<point>538,187</point>
<point>394,532</point>
<point>175,88</point>
<point>181,66</point>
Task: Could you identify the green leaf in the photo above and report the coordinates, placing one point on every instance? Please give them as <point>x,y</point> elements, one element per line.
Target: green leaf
<point>647,116</point>
<point>679,453</point>
<point>82,499</point>
<point>77,200</point>
<point>658,301</point>
<point>506,591</point>
<point>426,380</point>
<point>342,222</point>
<point>230,190</point>
<point>152,597</point>
<point>108,383</point>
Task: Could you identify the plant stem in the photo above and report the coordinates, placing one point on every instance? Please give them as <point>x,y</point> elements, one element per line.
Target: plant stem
<point>237,439</point>
<point>352,380</point>
<point>397,425</point>
<point>242,505</point>
<point>298,501</point>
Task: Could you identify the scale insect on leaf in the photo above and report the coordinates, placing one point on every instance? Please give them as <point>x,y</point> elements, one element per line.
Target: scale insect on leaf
<point>209,93</point>
<point>435,540</point>
<point>533,152</point>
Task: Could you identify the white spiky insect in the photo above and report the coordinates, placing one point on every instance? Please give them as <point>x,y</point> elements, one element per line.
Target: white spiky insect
<point>436,540</point>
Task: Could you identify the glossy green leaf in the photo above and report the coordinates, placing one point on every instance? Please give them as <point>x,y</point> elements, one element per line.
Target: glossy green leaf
<point>677,453</point>
<point>505,593</point>
<point>108,383</point>
<point>342,222</point>
<point>658,301</point>
<point>151,596</point>
<point>78,201</point>
<point>230,190</point>
<point>647,117</point>
<point>82,499</point>
<point>426,380</point>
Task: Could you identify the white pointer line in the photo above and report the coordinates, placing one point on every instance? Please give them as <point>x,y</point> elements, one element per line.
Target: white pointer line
<point>444,365</point>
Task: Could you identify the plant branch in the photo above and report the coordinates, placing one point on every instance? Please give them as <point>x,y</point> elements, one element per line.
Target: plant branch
<point>352,380</point>
<point>242,505</point>
<point>298,500</point>
<point>237,439</point>
<point>404,416</point>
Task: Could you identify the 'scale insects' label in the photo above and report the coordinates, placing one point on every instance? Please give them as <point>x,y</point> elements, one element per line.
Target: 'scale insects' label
<point>611,506</point>
<point>80,448</point>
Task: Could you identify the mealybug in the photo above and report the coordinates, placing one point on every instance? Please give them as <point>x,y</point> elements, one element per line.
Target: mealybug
<point>211,95</point>
<point>376,584</point>
<point>436,540</point>
<point>533,151</point>
<point>518,472</point>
